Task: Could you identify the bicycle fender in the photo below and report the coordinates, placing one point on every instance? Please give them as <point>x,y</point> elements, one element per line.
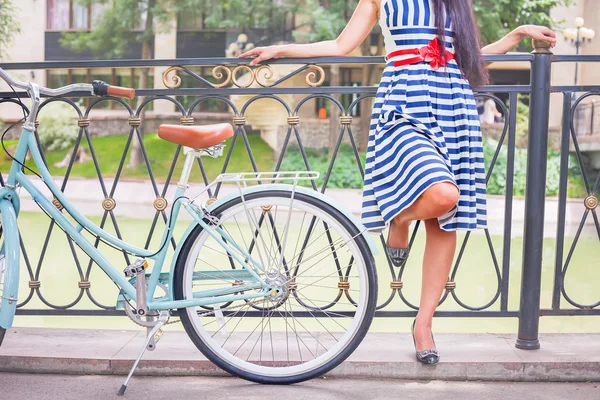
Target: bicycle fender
<point>13,257</point>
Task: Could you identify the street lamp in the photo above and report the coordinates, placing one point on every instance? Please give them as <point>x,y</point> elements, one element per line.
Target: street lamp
<point>238,47</point>
<point>578,36</point>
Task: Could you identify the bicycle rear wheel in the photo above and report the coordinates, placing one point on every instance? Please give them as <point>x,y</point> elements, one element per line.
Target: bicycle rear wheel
<point>325,288</point>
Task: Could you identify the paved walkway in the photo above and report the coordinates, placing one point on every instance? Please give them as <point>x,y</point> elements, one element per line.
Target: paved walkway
<point>45,387</point>
<point>563,357</point>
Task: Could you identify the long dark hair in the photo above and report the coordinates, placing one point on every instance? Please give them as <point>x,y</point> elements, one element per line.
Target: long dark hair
<point>467,43</point>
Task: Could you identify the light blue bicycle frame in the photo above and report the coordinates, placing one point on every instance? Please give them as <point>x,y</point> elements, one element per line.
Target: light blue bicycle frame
<point>167,302</point>
<point>254,287</point>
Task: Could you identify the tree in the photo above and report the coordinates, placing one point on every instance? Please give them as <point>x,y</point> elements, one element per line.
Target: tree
<point>496,18</point>
<point>9,24</point>
<point>327,18</point>
<point>324,20</point>
<point>114,29</point>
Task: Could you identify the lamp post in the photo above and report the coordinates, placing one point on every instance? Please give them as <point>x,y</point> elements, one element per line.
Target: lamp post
<point>239,46</point>
<point>578,37</point>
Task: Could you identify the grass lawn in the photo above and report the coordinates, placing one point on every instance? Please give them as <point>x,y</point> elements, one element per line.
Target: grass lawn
<point>109,151</point>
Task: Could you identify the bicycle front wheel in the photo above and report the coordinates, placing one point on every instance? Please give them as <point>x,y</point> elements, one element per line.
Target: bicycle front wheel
<point>324,288</point>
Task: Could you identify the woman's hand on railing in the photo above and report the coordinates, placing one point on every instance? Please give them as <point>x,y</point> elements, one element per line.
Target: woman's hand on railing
<point>262,54</point>
<point>540,33</point>
<point>508,42</point>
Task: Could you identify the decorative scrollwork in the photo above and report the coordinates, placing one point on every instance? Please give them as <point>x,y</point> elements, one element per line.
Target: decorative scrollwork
<point>312,76</point>
<point>175,78</point>
<point>240,68</point>
<point>343,285</point>
<point>267,75</point>
<point>217,74</point>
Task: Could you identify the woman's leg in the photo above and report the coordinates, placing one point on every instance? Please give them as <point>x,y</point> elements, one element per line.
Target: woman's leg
<point>434,202</point>
<point>440,247</point>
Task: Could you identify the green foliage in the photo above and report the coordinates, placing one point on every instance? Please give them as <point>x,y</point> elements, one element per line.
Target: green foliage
<point>325,19</point>
<point>58,128</point>
<point>496,18</point>
<point>114,27</point>
<point>496,184</point>
<point>345,173</point>
<point>9,24</point>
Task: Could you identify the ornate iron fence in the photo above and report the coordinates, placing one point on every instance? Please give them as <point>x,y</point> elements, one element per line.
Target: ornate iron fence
<point>232,78</point>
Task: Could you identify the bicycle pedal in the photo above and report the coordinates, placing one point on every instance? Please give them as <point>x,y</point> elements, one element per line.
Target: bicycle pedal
<point>136,268</point>
<point>154,340</point>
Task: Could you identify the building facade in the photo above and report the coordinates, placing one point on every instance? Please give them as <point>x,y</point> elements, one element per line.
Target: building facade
<point>44,21</point>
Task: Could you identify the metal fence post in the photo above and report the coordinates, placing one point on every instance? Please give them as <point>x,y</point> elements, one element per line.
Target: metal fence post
<point>535,193</point>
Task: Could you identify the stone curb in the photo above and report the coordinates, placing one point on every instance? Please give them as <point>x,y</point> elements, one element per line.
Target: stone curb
<point>451,371</point>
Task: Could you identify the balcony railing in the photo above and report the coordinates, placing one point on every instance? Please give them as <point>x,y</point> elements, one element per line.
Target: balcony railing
<point>231,80</point>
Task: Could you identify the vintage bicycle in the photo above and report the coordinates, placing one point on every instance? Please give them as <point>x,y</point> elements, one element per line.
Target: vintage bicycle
<point>275,283</point>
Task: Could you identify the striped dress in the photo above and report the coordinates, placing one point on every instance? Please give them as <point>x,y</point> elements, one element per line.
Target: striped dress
<point>424,128</point>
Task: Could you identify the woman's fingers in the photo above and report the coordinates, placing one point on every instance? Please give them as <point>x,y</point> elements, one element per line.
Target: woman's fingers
<point>257,60</point>
<point>251,53</point>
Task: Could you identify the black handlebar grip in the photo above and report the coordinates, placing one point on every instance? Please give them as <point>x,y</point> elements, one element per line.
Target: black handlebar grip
<point>100,88</point>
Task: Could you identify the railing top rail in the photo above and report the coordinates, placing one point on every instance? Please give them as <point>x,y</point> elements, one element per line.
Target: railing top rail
<point>576,58</point>
<point>274,91</point>
<point>222,61</point>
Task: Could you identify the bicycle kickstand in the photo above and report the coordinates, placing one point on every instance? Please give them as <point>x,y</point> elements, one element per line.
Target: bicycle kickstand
<point>152,337</point>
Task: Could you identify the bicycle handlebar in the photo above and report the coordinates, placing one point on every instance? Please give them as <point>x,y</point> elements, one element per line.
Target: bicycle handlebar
<point>97,88</point>
<point>104,89</point>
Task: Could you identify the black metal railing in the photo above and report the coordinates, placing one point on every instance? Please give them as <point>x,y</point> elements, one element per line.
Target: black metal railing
<point>232,77</point>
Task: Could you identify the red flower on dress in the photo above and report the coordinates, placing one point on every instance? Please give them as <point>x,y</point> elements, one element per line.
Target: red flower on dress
<point>433,55</point>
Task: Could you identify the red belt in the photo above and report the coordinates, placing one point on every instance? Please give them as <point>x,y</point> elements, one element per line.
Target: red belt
<point>430,53</point>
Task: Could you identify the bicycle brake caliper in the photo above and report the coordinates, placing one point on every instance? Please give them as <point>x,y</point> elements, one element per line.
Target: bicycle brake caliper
<point>209,216</point>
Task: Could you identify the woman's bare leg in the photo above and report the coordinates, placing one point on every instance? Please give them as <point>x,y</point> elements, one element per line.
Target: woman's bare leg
<point>434,202</point>
<point>440,247</point>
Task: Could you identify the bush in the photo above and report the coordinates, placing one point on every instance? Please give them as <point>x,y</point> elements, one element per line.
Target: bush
<point>497,182</point>
<point>58,128</point>
<point>345,173</point>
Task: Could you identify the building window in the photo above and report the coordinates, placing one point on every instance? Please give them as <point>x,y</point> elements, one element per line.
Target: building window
<point>58,14</point>
<point>65,15</point>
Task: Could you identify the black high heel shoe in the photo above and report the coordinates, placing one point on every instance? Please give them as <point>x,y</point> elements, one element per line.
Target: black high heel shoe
<point>429,357</point>
<point>397,255</point>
